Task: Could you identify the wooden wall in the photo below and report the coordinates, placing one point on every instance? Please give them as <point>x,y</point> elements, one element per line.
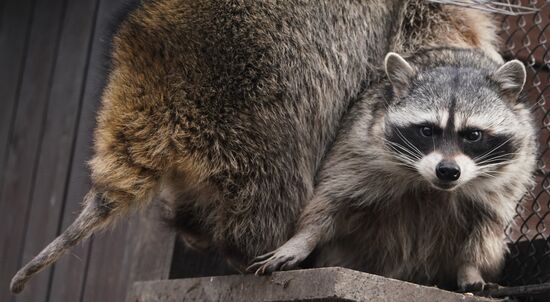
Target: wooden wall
<point>51,73</point>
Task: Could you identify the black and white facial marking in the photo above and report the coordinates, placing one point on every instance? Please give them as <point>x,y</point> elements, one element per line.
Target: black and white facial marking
<point>452,125</point>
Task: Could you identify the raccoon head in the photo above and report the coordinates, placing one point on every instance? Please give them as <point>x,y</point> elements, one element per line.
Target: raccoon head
<point>454,125</point>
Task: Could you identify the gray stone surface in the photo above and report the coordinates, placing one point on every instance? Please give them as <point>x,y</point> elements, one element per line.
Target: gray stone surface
<point>324,284</point>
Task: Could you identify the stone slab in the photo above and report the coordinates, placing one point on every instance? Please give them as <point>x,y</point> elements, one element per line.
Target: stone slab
<point>323,284</point>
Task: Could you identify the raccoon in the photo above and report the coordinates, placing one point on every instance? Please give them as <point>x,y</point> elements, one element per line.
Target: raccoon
<point>225,110</point>
<point>424,175</point>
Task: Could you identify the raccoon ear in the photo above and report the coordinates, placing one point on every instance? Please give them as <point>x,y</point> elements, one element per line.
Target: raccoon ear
<point>511,78</point>
<point>399,72</point>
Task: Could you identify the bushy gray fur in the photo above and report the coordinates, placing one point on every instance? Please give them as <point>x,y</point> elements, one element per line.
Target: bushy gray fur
<point>225,109</point>
<point>376,207</point>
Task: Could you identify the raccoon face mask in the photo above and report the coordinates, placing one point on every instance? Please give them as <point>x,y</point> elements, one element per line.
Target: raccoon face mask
<point>455,127</point>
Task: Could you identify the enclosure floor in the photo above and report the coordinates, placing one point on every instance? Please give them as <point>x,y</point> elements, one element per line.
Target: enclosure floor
<point>324,284</point>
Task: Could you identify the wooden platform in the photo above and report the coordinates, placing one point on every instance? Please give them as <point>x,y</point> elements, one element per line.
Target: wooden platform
<point>324,284</point>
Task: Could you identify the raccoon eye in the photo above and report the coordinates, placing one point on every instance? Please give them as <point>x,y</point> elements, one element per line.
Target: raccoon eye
<point>426,131</point>
<point>473,135</point>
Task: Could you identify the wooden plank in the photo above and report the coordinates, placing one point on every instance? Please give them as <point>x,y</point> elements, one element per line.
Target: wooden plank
<point>322,284</point>
<point>15,22</point>
<point>150,246</point>
<point>70,271</point>
<point>26,134</point>
<point>58,139</point>
<point>74,268</point>
<point>2,5</point>
<point>108,268</point>
<point>137,249</point>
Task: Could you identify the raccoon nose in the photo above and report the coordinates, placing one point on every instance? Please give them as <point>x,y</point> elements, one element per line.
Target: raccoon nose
<point>447,171</point>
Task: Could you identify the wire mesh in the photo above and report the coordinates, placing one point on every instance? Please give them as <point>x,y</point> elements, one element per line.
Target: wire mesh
<point>525,29</point>
<point>506,7</point>
<point>525,37</point>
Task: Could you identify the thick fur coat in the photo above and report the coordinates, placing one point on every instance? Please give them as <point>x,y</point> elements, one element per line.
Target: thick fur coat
<point>381,205</point>
<point>226,109</point>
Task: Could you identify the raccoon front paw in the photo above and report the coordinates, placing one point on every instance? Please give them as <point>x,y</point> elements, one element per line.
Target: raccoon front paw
<point>479,286</point>
<point>287,257</point>
<point>473,287</point>
<point>469,279</point>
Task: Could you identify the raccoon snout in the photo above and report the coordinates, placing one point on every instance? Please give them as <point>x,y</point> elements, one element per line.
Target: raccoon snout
<point>447,171</point>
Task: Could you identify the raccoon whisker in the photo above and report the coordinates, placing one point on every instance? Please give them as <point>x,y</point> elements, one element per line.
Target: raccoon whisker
<point>487,154</point>
<point>504,154</point>
<point>404,164</point>
<point>486,174</point>
<point>408,142</point>
<point>386,105</point>
<point>483,156</point>
<point>493,163</point>
<point>489,167</point>
<point>400,159</point>
<point>497,159</point>
<point>489,170</point>
<point>403,159</point>
<point>491,160</point>
<point>404,156</point>
<point>400,149</point>
<point>530,108</point>
<point>397,152</point>
<point>494,173</point>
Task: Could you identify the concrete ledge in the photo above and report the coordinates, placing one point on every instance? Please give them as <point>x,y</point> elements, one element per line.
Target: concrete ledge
<point>324,284</point>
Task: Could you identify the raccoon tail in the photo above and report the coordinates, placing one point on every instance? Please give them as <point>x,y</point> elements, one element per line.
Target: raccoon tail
<point>96,214</point>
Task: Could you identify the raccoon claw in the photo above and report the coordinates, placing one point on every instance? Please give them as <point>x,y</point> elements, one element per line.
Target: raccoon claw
<point>473,287</point>
<point>259,261</point>
<point>264,256</point>
<point>491,286</point>
<point>479,287</point>
<point>286,257</point>
<point>275,263</point>
<point>255,267</point>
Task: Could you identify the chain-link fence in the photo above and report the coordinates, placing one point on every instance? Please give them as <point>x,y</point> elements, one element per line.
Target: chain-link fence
<point>505,7</point>
<point>525,29</point>
<point>525,37</point>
